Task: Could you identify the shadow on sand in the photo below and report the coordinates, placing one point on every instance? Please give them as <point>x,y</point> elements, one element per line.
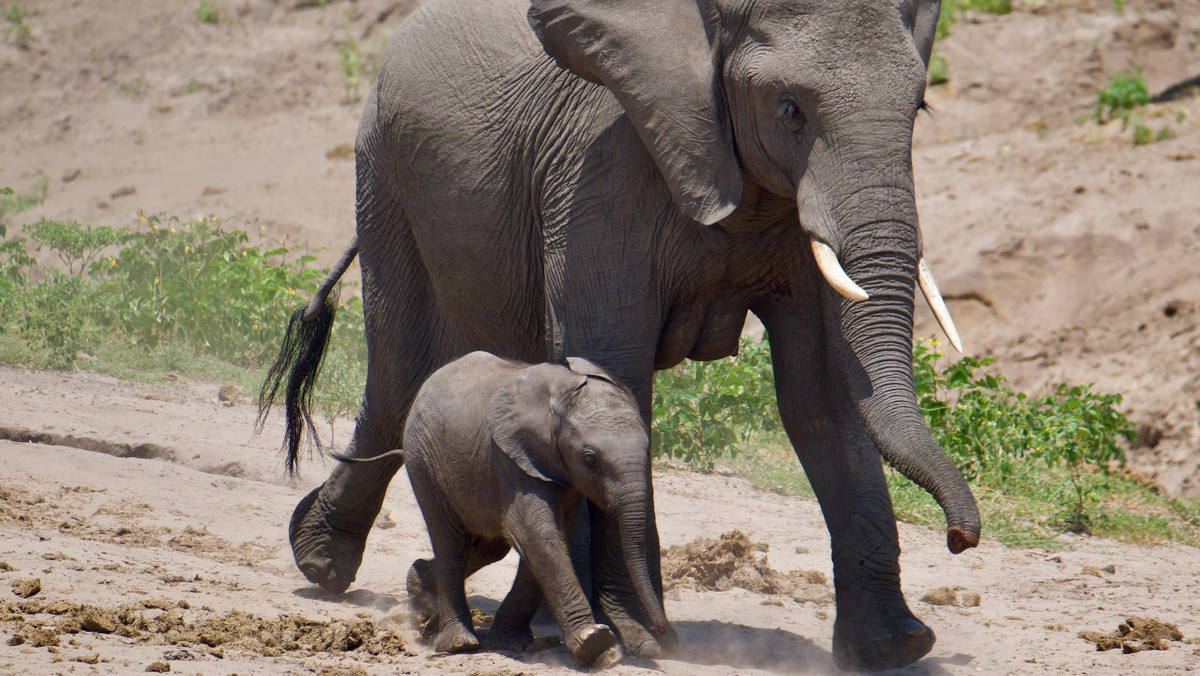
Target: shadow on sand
<point>363,598</point>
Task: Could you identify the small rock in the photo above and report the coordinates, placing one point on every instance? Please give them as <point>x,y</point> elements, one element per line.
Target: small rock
<point>180,655</point>
<point>229,393</point>
<point>1090,570</point>
<point>160,667</point>
<point>210,190</point>
<point>771,602</point>
<point>1110,569</point>
<point>942,596</point>
<point>123,191</point>
<point>971,600</point>
<point>384,520</point>
<point>801,550</point>
<point>70,174</point>
<point>27,588</point>
<point>87,659</point>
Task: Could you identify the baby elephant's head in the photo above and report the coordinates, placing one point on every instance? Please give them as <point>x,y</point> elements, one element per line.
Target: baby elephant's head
<point>577,426</point>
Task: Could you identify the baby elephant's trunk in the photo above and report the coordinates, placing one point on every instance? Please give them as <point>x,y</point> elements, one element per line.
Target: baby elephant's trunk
<point>632,508</point>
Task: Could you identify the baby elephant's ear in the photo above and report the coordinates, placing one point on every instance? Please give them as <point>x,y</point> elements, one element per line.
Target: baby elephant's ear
<point>522,419</point>
<point>586,368</point>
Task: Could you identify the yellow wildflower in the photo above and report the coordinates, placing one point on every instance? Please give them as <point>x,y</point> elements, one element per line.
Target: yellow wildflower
<point>153,227</point>
<point>112,262</point>
<point>290,291</point>
<point>157,280</point>
<point>141,216</point>
<point>172,231</point>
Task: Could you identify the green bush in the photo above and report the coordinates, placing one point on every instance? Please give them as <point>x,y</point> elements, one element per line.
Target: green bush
<point>12,202</point>
<point>1123,94</point>
<point>953,10</point>
<point>704,411</point>
<point>939,71</point>
<point>17,29</point>
<point>207,12</point>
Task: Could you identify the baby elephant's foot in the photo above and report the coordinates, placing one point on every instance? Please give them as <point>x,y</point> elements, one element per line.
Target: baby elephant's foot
<point>510,639</point>
<point>422,587</point>
<point>597,646</point>
<point>456,640</point>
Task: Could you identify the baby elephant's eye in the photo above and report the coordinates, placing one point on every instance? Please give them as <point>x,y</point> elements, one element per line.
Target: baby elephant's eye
<point>591,459</point>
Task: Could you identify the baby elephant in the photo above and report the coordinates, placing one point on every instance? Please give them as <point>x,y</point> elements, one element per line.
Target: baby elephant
<point>501,454</point>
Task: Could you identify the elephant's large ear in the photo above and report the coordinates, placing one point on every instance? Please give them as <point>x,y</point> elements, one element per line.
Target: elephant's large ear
<point>925,26</point>
<point>523,416</point>
<point>657,58</point>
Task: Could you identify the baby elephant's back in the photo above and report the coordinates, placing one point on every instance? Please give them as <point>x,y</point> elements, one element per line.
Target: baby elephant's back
<point>446,435</point>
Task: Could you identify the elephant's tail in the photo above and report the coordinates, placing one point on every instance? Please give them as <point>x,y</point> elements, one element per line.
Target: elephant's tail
<point>298,362</point>
<point>313,311</point>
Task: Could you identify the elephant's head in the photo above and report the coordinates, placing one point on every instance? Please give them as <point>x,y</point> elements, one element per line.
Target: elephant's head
<point>576,426</point>
<point>813,100</point>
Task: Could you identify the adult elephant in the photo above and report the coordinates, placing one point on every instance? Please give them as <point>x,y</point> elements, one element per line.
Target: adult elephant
<point>621,180</point>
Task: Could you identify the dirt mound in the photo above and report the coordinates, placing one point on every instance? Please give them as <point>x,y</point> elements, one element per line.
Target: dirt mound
<point>41,625</point>
<point>1134,635</point>
<point>734,561</point>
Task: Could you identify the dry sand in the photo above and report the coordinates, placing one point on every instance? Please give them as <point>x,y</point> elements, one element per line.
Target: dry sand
<point>1066,253</point>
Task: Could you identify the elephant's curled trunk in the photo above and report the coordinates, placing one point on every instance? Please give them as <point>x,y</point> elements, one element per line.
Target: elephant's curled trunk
<point>878,334</point>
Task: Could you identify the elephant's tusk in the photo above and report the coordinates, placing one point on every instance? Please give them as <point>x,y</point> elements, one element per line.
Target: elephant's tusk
<point>834,274</point>
<point>934,298</point>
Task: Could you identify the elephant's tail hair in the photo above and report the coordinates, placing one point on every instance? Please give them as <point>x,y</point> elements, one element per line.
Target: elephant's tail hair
<point>299,361</point>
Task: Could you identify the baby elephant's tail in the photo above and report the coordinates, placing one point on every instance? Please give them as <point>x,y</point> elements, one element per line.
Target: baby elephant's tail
<point>398,453</point>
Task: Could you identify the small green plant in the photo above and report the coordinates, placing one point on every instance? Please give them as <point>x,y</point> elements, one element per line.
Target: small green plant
<point>953,10</point>
<point>1118,6</point>
<point>1124,93</point>
<point>939,71</point>
<point>1120,99</point>
<point>12,202</point>
<point>350,62</point>
<point>191,86</point>
<point>17,29</point>
<point>207,12</point>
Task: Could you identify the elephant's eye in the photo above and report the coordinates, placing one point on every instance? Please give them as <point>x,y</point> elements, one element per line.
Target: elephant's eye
<point>790,114</point>
<point>590,458</point>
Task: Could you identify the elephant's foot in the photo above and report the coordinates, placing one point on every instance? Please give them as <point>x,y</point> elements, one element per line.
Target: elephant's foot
<point>422,588</point>
<point>328,555</point>
<point>596,646</point>
<point>512,639</point>
<point>638,640</point>
<point>456,639</point>
<point>887,640</point>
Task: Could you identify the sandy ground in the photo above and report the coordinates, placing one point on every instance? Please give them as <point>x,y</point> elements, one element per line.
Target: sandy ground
<point>204,522</point>
<point>1065,252</point>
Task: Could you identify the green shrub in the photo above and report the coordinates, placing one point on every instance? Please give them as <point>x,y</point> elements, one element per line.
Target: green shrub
<point>12,202</point>
<point>939,71</point>
<point>703,411</point>
<point>75,245</point>
<point>1121,96</point>
<point>17,29</point>
<point>350,62</point>
<point>953,10</point>
<point>207,12</point>
<point>203,286</point>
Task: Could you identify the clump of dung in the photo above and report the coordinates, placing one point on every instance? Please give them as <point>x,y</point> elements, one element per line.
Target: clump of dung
<point>235,630</point>
<point>735,561</point>
<point>1134,635</point>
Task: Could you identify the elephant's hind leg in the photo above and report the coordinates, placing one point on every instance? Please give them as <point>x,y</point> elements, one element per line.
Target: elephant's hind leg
<point>406,341</point>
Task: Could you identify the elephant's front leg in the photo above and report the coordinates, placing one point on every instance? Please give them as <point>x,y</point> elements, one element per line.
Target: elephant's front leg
<point>874,628</point>
<point>537,530</point>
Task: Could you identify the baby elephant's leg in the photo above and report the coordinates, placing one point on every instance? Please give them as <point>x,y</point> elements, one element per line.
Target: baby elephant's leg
<point>510,629</point>
<point>540,538</point>
<point>422,585</point>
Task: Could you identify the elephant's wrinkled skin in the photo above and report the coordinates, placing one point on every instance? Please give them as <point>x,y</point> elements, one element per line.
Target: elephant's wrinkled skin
<point>538,180</point>
<point>501,453</point>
